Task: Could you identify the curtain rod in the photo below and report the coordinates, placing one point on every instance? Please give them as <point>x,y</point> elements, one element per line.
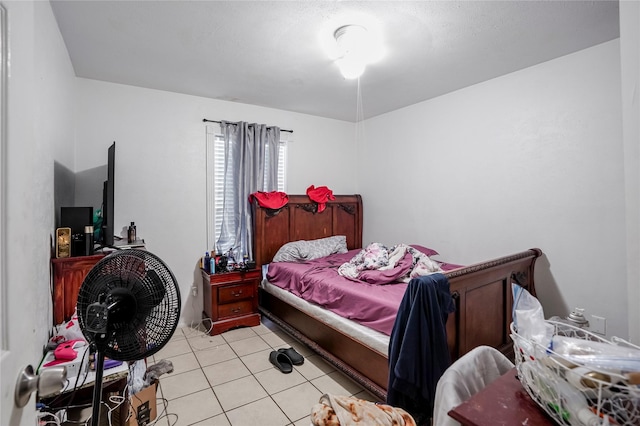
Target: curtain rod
<point>204,120</point>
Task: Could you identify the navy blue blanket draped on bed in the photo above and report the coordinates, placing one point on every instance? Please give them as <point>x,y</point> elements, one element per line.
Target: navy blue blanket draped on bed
<point>418,350</point>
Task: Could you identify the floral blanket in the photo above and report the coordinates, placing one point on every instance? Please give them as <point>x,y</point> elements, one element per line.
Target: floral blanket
<point>378,264</point>
<point>334,410</point>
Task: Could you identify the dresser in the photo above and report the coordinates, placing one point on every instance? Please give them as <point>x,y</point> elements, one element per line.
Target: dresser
<point>68,275</point>
<point>230,299</point>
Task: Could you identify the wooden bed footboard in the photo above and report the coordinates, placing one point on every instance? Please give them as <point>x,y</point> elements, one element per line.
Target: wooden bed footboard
<point>482,292</point>
<point>484,302</point>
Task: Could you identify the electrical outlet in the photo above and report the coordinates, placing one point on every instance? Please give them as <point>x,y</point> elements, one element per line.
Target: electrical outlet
<point>194,291</point>
<point>598,325</point>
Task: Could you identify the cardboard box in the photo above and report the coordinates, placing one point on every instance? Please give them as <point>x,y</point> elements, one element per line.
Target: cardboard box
<point>142,406</point>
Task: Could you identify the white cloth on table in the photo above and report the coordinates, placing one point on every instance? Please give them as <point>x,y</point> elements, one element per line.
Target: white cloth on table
<point>466,377</point>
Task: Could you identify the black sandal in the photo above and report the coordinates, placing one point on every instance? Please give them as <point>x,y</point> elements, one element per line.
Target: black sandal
<point>294,356</point>
<point>282,361</point>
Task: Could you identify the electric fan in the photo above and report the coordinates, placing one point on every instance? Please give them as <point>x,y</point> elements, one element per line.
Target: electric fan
<point>128,308</point>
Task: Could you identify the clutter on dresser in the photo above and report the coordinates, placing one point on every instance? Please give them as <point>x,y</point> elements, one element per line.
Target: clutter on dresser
<point>221,263</point>
<point>228,261</point>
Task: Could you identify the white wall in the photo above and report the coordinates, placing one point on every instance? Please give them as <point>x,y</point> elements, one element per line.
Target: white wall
<point>160,163</point>
<point>630,60</point>
<point>530,159</point>
<point>40,131</point>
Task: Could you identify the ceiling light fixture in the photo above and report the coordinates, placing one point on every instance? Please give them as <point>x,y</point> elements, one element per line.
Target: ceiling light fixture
<point>355,48</point>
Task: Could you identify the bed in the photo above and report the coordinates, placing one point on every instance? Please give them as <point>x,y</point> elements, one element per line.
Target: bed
<point>481,292</point>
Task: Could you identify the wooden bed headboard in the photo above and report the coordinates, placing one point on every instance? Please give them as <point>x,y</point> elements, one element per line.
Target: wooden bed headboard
<point>300,220</point>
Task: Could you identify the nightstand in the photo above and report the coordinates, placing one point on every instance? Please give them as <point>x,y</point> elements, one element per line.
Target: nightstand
<point>230,299</point>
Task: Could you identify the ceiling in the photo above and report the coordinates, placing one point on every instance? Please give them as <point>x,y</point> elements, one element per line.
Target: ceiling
<point>269,53</point>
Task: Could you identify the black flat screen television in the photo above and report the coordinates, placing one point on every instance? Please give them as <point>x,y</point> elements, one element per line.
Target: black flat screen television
<point>108,193</point>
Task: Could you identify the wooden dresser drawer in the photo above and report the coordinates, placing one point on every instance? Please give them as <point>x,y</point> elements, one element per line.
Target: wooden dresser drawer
<point>227,278</point>
<point>233,293</point>
<point>242,307</point>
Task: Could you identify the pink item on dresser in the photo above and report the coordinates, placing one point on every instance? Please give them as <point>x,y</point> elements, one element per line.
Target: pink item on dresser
<point>65,352</point>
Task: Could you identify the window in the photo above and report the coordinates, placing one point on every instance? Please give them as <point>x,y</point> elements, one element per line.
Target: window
<point>215,180</point>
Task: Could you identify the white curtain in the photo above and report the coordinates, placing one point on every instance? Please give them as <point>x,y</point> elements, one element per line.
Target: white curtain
<point>251,164</point>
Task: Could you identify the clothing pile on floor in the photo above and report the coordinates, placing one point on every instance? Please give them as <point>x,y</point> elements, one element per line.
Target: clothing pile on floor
<point>334,410</point>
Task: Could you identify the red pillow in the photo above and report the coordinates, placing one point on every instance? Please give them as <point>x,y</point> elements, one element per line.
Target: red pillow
<point>425,250</point>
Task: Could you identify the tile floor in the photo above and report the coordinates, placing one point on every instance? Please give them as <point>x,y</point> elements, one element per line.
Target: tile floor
<point>228,380</point>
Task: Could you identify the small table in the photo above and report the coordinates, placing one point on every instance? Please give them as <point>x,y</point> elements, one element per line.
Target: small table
<point>503,402</point>
<point>230,299</point>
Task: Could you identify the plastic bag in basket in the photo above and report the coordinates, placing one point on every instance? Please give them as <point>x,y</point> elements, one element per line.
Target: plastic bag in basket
<point>528,317</point>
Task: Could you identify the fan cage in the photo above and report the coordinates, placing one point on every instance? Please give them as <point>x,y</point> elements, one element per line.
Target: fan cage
<point>145,298</point>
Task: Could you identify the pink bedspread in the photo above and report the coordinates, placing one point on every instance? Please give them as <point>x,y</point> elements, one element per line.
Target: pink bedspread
<point>317,281</point>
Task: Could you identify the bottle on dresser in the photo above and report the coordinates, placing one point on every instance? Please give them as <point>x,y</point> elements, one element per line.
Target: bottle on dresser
<point>131,233</point>
<point>212,263</point>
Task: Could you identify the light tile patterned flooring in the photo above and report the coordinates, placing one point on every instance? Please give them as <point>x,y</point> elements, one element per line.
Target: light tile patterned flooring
<point>228,380</point>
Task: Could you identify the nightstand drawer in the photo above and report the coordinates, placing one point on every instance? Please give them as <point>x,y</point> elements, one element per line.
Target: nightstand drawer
<point>233,277</point>
<point>232,293</point>
<point>233,309</point>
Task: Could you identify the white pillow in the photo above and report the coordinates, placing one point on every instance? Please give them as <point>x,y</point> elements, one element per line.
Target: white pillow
<point>299,251</point>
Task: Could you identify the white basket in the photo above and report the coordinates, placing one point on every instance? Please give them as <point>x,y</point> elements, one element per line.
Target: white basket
<point>562,389</point>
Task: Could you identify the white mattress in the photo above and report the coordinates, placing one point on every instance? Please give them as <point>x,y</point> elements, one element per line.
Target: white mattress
<point>372,338</point>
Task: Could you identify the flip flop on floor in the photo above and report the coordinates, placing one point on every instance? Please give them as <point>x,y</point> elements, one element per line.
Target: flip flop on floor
<point>281,361</point>
<point>294,356</point>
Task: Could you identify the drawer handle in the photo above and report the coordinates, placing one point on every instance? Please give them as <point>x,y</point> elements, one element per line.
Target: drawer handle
<point>236,310</point>
<point>236,294</point>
